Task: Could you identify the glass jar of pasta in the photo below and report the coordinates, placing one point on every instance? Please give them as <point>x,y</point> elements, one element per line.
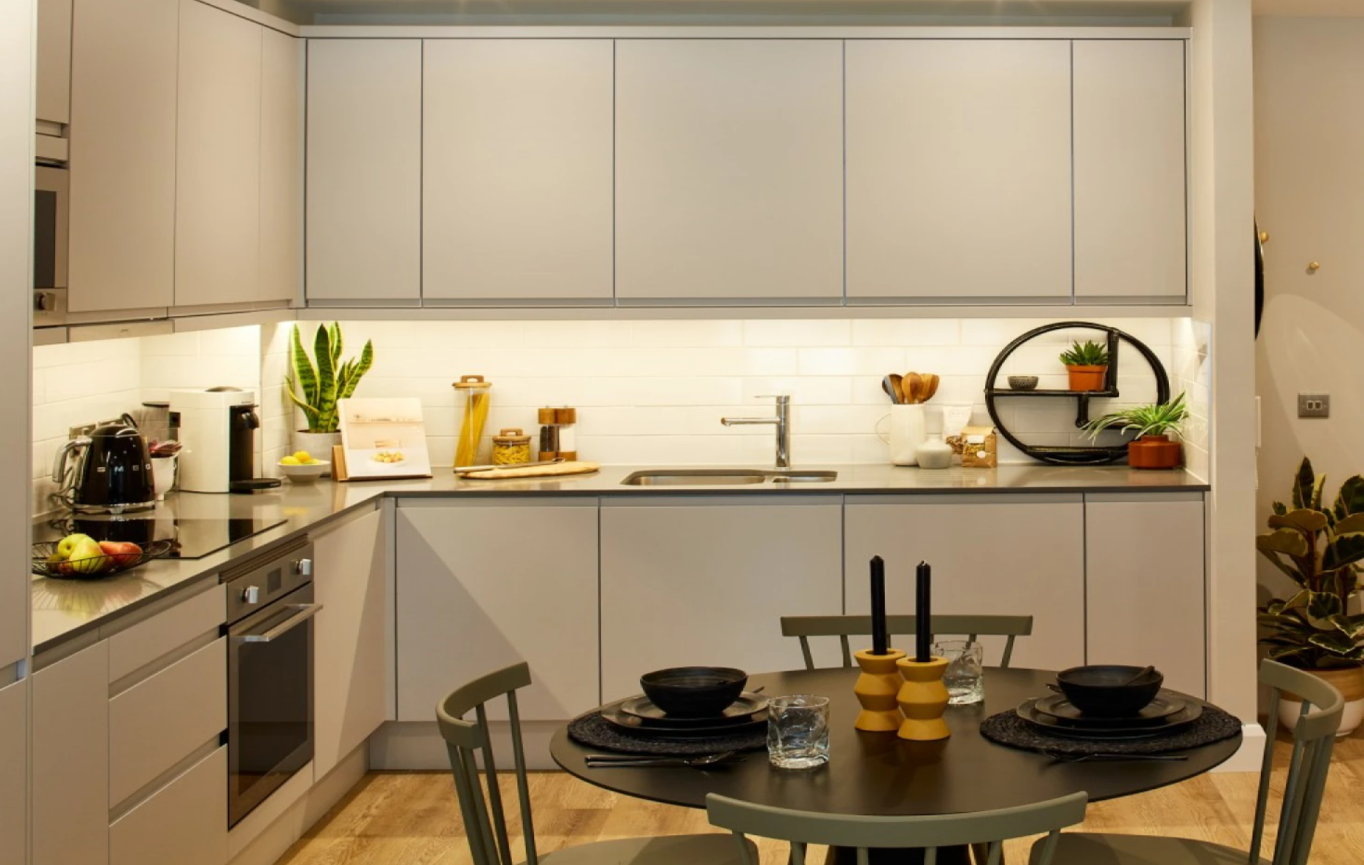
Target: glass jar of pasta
<point>511,447</point>
<point>472,395</point>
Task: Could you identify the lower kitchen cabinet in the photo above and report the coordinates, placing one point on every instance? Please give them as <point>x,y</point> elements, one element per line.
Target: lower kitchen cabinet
<point>13,771</point>
<point>183,822</point>
<point>1133,594</point>
<point>349,677</point>
<point>1015,555</point>
<point>705,580</point>
<point>70,753</point>
<point>492,581</point>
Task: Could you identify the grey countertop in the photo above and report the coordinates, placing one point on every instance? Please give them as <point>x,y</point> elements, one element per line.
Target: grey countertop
<point>65,609</point>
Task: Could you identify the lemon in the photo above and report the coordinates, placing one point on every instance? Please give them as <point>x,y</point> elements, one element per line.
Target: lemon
<point>303,457</point>
<point>290,461</point>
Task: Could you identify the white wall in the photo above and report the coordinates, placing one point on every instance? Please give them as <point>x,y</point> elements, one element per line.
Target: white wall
<point>652,392</point>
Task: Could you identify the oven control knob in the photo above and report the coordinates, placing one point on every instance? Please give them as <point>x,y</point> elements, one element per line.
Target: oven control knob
<point>251,594</point>
<point>304,567</point>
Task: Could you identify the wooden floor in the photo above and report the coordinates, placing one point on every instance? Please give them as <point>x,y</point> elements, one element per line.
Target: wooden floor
<point>401,818</point>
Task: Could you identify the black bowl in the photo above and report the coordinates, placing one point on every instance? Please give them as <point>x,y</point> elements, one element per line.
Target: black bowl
<point>694,692</point>
<point>1108,690</point>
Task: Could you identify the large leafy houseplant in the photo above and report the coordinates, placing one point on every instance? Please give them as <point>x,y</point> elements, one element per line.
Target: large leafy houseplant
<point>318,382</point>
<point>1155,419</point>
<point>1319,548</point>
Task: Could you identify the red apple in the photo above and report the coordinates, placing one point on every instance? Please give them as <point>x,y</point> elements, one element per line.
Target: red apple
<point>124,553</point>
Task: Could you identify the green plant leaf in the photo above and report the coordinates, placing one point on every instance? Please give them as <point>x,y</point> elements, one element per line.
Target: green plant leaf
<point>1304,485</point>
<point>304,373</point>
<point>334,337</point>
<point>1286,541</point>
<point>1321,608</point>
<point>1303,520</point>
<point>1350,498</point>
<point>309,413</point>
<point>1343,550</point>
<point>1335,643</point>
<point>360,368</point>
<point>1280,508</point>
<point>1288,654</point>
<point>1350,626</point>
<point>326,381</point>
<point>1350,525</point>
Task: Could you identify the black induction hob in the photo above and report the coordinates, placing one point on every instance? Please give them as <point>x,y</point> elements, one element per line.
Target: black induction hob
<point>190,538</point>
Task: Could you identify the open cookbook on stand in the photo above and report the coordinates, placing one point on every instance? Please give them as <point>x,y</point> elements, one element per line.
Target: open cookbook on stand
<point>383,438</point>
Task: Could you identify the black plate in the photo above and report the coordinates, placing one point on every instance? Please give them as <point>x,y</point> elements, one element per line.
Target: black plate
<point>1048,724</point>
<point>740,711</point>
<point>637,726</point>
<point>1165,705</point>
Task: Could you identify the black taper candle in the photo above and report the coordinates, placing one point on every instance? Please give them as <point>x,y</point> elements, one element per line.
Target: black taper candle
<point>878,606</point>
<point>923,615</point>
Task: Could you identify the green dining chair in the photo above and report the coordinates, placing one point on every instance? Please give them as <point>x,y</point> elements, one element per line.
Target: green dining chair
<point>485,823</point>
<point>987,828</point>
<point>843,627</point>
<point>1313,738</point>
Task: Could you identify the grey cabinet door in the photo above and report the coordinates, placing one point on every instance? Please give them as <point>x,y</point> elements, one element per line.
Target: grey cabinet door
<point>1145,609</point>
<point>281,167</point>
<point>217,168</point>
<point>364,169</point>
<point>70,753</point>
<point>958,169</point>
<point>1130,201</point>
<point>123,102</point>
<point>54,61</point>
<point>1010,555</point>
<point>181,823</point>
<point>729,170</point>
<point>350,682</point>
<point>14,771</point>
<point>488,583</point>
<point>517,178</point>
<point>687,581</point>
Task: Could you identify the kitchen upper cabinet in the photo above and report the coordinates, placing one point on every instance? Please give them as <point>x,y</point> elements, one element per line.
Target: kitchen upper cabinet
<point>958,179</point>
<point>350,682</point>
<point>729,170</point>
<point>281,167</point>
<point>70,753</point>
<point>123,131</point>
<point>1130,598</point>
<point>53,92</point>
<point>1007,555</point>
<point>516,185</point>
<point>218,167</point>
<point>688,581</point>
<point>487,583</point>
<point>1130,208</point>
<point>14,771</point>
<point>364,168</point>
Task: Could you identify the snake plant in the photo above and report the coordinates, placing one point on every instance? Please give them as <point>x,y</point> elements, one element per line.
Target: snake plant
<point>316,385</point>
<point>1319,548</point>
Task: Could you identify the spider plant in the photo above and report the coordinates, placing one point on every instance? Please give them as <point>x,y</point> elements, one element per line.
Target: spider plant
<point>1145,420</point>
<point>1088,353</point>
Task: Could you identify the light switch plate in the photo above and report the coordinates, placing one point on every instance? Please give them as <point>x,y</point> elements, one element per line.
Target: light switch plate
<point>1314,405</point>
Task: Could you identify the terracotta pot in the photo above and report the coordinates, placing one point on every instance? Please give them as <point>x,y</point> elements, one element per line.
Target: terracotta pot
<point>1155,452</point>
<point>1349,681</point>
<point>1087,378</point>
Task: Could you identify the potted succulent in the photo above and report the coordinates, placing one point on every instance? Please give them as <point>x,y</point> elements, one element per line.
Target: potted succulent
<point>1319,548</point>
<point>1154,425</point>
<point>318,382</point>
<point>1086,364</point>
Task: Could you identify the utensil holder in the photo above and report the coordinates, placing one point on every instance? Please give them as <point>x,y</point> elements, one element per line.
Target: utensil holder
<point>923,699</point>
<point>876,690</point>
<point>907,433</point>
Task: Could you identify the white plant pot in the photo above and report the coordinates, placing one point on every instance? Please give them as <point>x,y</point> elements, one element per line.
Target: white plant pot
<point>1348,682</point>
<point>163,475</point>
<point>318,445</point>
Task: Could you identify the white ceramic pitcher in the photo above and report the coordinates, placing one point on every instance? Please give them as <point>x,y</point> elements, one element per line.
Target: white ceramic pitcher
<point>907,433</point>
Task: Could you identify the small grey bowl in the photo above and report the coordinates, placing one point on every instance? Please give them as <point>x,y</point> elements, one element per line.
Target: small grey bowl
<point>1022,382</point>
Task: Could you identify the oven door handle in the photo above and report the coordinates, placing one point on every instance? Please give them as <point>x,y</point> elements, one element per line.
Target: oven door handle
<point>305,612</point>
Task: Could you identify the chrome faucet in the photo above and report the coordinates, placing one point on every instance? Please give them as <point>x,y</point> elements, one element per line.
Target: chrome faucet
<point>782,422</point>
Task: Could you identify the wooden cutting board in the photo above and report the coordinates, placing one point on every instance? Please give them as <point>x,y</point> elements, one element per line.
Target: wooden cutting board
<point>558,469</point>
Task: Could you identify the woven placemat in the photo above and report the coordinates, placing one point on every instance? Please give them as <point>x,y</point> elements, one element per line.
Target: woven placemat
<point>1006,728</point>
<point>594,730</point>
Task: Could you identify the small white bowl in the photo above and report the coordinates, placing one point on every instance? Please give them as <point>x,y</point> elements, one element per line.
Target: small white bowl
<point>304,474</point>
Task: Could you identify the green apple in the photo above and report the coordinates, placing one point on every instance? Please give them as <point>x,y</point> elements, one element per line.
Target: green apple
<point>68,543</point>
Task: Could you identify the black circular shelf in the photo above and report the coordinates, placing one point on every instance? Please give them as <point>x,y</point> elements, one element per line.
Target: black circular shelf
<point>1073,455</point>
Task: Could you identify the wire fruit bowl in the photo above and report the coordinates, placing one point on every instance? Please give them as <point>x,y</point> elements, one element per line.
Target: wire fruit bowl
<point>93,567</point>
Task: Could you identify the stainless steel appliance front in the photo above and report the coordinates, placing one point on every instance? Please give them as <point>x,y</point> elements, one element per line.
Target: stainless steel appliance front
<point>269,678</point>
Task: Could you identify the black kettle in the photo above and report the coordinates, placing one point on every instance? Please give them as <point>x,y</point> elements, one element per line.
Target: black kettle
<point>112,473</point>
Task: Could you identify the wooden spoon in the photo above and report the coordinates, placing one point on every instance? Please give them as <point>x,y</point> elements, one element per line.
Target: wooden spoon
<point>898,383</point>
<point>930,386</point>
<point>914,393</point>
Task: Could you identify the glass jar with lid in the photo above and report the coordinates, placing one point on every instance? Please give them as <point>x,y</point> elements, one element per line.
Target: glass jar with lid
<point>472,395</point>
<point>511,447</point>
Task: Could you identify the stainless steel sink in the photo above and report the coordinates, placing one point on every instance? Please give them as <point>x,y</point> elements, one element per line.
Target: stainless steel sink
<point>723,477</point>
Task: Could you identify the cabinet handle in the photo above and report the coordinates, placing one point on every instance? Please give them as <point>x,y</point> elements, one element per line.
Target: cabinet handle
<point>1313,267</point>
<point>305,612</point>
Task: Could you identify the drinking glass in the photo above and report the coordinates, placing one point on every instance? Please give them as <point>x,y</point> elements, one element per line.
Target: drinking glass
<point>798,731</point>
<point>965,676</point>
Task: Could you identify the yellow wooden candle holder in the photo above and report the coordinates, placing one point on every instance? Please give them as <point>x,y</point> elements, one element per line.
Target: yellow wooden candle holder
<point>923,699</point>
<point>876,690</point>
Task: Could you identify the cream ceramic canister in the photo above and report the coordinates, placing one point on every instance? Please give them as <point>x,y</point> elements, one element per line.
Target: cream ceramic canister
<point>935,454</point>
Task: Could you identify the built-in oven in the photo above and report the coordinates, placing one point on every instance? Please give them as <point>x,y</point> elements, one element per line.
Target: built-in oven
<point>269,677</point>
<point>51,224</point>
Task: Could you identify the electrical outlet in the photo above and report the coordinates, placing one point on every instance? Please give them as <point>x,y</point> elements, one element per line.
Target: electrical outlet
<point>83,430</point>
<point>1314,405</point>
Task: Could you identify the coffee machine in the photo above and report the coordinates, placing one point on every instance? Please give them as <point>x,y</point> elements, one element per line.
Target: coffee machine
<point>218,440</point>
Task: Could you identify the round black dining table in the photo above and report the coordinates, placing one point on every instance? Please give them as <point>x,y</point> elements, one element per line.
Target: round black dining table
<point>879,774</point>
